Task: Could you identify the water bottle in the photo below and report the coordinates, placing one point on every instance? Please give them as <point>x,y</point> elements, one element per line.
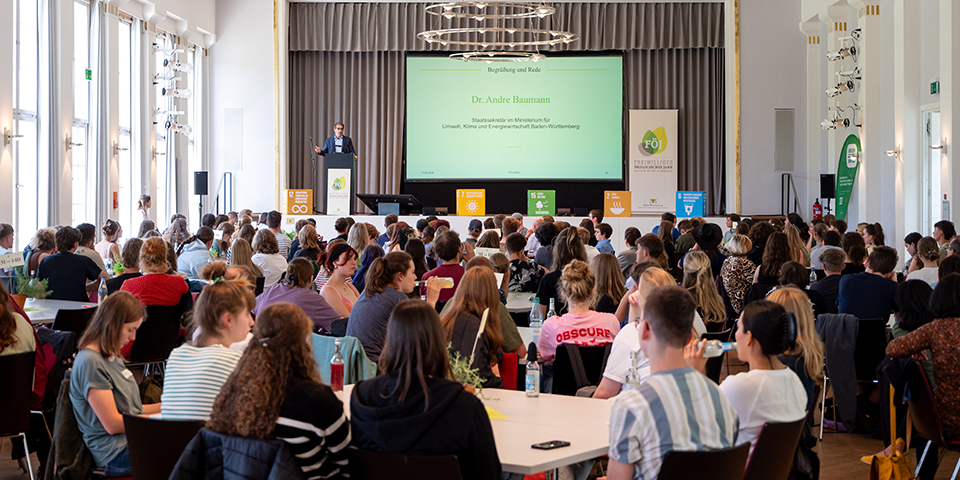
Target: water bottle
<point>102,291</point>
<point>551,312</point>
<point>336,369</point>
<point>536,321</point>
<point>813,276</point>
<point>715,348</point>
<point>632,379</point>
<point>533,372</point>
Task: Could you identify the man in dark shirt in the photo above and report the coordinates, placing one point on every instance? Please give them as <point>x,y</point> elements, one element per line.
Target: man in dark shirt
<point>870,294</point>
<point>829,286</point>
<point>685,241</point>
<point>67,273</point>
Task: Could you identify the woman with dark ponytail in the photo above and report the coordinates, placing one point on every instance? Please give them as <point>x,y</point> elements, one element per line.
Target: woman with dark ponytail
<point>873,236</point>
<point>389,279</point>
<point>769,392</point>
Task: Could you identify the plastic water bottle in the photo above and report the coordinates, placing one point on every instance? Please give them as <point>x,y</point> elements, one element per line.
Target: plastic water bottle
<point>813,276</point>
<point>533,372</point>
<point>536,321</point>
<point>715,348</point>
<point>336,369</point>
<point>632,379</point>
<point>102,291</point>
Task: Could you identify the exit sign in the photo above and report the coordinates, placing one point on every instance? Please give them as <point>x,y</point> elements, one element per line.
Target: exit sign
<point>934,88</point>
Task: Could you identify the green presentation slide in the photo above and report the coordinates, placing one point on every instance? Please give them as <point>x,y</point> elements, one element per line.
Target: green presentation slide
<point>559,118</point>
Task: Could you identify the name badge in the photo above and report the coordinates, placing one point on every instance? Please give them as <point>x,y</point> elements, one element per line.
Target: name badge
<point>127,374</point>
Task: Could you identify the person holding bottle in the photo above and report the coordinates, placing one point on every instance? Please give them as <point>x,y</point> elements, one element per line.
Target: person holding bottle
<point>769,392</point>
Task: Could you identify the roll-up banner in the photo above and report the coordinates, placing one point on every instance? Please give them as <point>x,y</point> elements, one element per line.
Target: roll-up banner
<point>653,160</point>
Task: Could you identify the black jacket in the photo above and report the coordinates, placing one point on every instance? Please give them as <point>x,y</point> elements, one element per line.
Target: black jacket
<point>211,455</point>
<point>462,339</point>
<point>454,423</point>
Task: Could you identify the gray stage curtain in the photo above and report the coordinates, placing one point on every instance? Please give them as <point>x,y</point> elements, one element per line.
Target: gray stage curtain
<point>674,61</point>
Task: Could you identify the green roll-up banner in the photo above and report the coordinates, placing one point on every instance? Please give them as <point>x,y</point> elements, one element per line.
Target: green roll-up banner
<point>847,173</point>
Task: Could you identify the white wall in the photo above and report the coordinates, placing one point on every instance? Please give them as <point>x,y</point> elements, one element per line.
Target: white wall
<point>929,49</point>
<point>772,75</point>
<point>242,77</point>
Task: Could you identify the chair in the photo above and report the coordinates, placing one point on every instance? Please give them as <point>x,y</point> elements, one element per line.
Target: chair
<point>258,288</point>
<point>16,376</point>
<point>155,445</point>
<point>772,457</point>
<point>925,416</point>
<point>508,370</point>
<point>715,365</point>
<point>365,465</point>
<point>157,337</point>
<point>576,367</point>
<point>724,464</point>
<point>73,320</point>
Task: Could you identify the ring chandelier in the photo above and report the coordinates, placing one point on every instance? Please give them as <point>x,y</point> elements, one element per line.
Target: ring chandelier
<point>503,38</point>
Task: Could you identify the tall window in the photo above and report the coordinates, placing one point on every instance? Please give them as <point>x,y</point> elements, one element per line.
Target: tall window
<point>193,55</point>
<point>128,169</point>
<point>83,200</point>
<point>25,121</point>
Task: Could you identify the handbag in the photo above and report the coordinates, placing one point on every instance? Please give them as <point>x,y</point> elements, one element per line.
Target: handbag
<point>895,466</point>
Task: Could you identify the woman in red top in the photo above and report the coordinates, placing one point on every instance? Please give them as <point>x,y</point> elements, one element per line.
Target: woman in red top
<point>156,287</point>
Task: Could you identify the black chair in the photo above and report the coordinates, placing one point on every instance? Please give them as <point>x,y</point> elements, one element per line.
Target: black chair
<point>258,288</point>
<point>157,337</point>
<point>871,347</point>
<point>925,416</point>
<point>16,376</point>
<point>772,457</point>
<point>724,464</point>
<point>715,365</point>
<point>576,367</point>
<point>366,465</point>
<point>74,320</point>
<point>156,445</point>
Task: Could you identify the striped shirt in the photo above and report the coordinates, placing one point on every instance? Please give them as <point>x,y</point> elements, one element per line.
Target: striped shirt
<point>678,409</point>
<point>316,429</point>
<point>193,379</point>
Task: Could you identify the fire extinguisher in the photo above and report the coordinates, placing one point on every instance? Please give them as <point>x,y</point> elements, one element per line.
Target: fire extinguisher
<point>817,210</point>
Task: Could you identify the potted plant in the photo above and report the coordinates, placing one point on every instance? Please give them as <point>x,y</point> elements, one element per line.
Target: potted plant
<point>28,287</point>
<point>468,377</point>
<point>117,268</point>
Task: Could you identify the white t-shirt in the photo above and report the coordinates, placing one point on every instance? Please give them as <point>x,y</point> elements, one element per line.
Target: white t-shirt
<point>931,275</point>
<point>591,252</point>
<point>273,267</point>
<point>628,340</point>
<point>762,396</point>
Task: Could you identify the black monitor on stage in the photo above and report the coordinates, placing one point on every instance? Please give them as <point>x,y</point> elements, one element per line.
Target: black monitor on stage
<point>407,203</point>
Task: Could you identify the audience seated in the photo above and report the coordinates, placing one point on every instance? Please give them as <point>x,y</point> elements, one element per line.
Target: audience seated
<point>826,240</point>
<point>339,264</point>
<point>924,265</point>
<point>732,220</point>
<point>308,245</point>
<point>707,237</point>
<point>798,251</point>
<point>196,371</point>
<point>806,358</point>
<point>221,247</point>
<point>698,280</point>
<point>461,322</point>
<point>241,254</point>
<point>108,248</point>
<point>650,247</point>
<point>385,237</point>
<point>267,257</point>
<point>669,248</point>
<point>603,233</point>
<point>944,232</point>
<point>585,238</point>
<point>545,236</point>
<point>295,289</point>
<point>769,392</point>
<point>43,244</point>
<point>870,294</point>
<point>566,248</point>
<point>276,392</point>
<point>856,252</point>
<point>737,271</point>
<point>672,219</point>
<point>644,425</point>
<point>685,241</point>
<point>794,274</point>
<point>101,387</point>
<point>148,228</point>
<point>941,337</point>
<point>913,312</point>
<point>626,258</point>
<point>389,279</point>
<point>131,264</point>
<point>775,254</point>
<point>627,341</point>
<point>178,231</point>
<point>16,333</point>
<point>156,286</point>
<point>449,250</point>
<point>759,234</point>
<point>67,273</point>
<point>525,274</point>
<point>194,253</point>
<point>371,253</point>
<point>609,283</point>
<point>283,241</point>
<point>828,287</point>
<point>358,239</point>
<point>414,407</point>
<point>88,233</point>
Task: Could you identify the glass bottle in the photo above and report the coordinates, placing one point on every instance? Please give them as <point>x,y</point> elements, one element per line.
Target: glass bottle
<point>336,369</point>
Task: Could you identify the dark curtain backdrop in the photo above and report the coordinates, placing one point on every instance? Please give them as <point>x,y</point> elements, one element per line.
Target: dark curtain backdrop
<point>347,64</point>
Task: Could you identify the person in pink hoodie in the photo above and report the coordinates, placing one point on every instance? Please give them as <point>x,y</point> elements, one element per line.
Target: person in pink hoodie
<point>580,325</point>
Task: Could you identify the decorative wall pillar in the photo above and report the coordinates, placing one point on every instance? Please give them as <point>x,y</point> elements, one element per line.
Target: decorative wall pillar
<point>814,31</point>
<point>949,102</point>
<point>836,19</point>
<point>906,142</point>
<point>873,162</point>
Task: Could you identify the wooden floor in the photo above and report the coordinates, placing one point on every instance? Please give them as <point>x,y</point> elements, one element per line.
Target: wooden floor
<point>839,455</point>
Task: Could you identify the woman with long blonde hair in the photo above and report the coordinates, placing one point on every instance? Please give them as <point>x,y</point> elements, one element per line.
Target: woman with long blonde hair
<point>358,239</point>
<point>476,292</point>
<point>698,280</point>
<point>807,358</point>
<point>276,392</point>
<point>242,254</point>
<point>609,288</point>
<point>798,250</point>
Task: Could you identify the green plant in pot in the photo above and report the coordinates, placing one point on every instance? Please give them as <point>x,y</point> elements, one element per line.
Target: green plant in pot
<point>468,377</point>
<point>30,287</point>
